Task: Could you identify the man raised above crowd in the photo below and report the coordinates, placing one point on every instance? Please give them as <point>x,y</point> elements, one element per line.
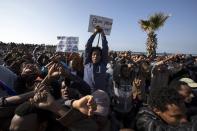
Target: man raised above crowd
<point>96,59</point>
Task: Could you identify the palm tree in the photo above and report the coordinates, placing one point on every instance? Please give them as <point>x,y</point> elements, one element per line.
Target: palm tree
<point>150,26</point>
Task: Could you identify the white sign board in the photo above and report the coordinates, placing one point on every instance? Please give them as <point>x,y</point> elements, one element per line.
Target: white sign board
<point>61,37</point>
<point>103,22</point>
<point>72,44</point>
<point>67,44</point>
<point>61,45</point>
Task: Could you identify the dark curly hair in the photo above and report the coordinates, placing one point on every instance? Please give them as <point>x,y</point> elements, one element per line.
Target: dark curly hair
<point>160,97</point>
<point>96,48</point>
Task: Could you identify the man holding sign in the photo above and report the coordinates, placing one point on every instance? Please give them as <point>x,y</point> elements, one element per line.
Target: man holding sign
<point>96,60</point>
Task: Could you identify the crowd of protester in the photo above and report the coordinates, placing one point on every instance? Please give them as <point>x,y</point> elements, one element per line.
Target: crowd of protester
<point>100,90</point>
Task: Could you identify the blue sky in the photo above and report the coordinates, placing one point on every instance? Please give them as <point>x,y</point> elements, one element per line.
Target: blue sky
<point>41,21</point>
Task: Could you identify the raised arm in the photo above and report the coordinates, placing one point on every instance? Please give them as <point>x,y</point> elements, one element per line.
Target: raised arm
<point>105,48</point>
<point>85,105</point>
<point>88,48</point>
<point>34,54</point>
<point>13,100</point>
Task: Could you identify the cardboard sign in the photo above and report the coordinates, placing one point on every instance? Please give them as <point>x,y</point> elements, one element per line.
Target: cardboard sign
<point>103,22</point>
<point>61,45</point>
<point>72,44</point>
<point>61,37</point>
<point>67,44</point>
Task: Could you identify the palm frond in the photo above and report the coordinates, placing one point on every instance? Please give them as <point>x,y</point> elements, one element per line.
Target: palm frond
<point>144,24</point>
<point>157,20</point>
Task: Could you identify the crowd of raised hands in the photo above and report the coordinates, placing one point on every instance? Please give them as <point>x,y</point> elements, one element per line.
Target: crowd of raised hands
<point>39,71</point>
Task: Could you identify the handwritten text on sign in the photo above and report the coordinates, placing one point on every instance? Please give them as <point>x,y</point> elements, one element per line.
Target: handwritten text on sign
<point>103,22</point>
<point>67,44</point>
<point>72,44</point>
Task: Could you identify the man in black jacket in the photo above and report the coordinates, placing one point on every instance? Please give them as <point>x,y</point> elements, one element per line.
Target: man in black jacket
<point>185,87</point>
<point>166,112</point>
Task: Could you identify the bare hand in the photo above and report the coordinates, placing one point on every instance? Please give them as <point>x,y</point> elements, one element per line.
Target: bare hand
<point>43,100</point>
<point>137,82</point>
<point>98,29</point>
<point>85,105</point>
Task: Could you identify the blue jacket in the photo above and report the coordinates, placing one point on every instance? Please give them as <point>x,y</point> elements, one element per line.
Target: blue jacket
<point>95,74</point>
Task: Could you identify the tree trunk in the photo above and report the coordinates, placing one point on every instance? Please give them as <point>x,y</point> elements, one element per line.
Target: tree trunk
<point>151,45</point>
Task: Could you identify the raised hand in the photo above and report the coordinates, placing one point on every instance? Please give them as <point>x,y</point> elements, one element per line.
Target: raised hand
<point>43,99</point>
<point>55,71</point>
<point>85,105</point>
<point>137,82</point>
<point>136,93</point>
<point>98,29</point>
<point>56,58</point>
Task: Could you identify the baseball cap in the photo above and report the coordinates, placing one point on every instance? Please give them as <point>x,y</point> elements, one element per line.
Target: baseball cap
<point>191,83</point>
<point>103,102</point>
